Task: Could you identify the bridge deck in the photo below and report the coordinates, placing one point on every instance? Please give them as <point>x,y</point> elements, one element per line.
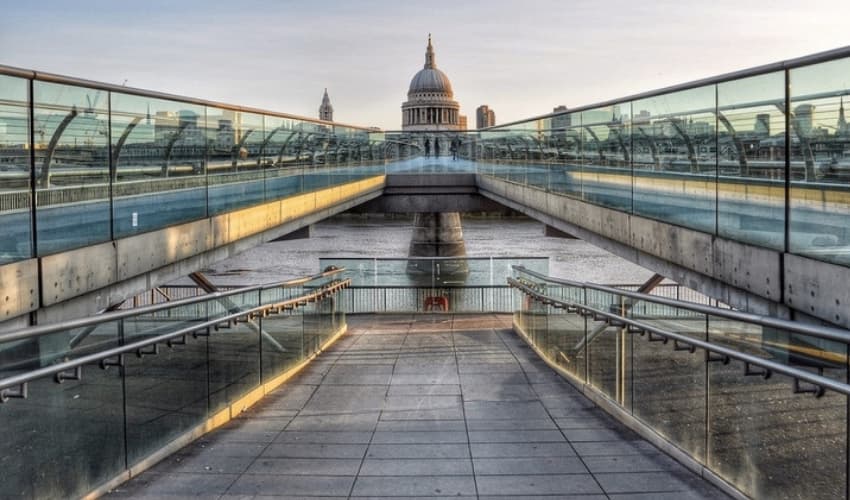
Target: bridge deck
<point>423,406</point>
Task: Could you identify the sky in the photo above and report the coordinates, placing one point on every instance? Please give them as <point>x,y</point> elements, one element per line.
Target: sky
<point>521,58</point>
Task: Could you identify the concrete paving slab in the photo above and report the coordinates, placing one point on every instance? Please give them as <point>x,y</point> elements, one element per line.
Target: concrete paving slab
<point>529,465</point>
<point>330,437</point>
<point>504,410</point>
<point>521,450</point>
<point>550,484</point>
<point>424,389</point>
<point>265,484</point>
<point>437,414</point>
<point>177,484</point>
<point>420,437</point>
<point>313,450</point>
<point>642,482</point>
<point>423,402</point>
<point>416,467</point>
<point>306,466</point>
<point>342,421</point>
<point>414,485</point>
<point>631,463</point>
<point>516,436</point>
<point>513,392</point>
<point>511,425</point>
<point>442,378</point>
<point>447,450</point>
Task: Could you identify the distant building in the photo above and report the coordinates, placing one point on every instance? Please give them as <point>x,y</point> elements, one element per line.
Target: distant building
<point>326,111</point>
<point>643,117</point>
<point>560,122</point>
<point>484,117</point>
<point>804,114</point>
<point>762,126</point>
<point>430,104</point>
<point>462,122</point>
<point>225,135</point>
<point>842,129</point>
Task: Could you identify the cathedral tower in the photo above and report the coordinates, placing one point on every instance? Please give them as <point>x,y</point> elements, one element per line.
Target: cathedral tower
<point>326,111</point>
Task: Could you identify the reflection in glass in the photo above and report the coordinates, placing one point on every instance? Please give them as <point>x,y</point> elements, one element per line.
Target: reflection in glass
<point>15,169</point>
<point>606,157</point>
<point>675,157</point>
<point>820,161</point>
<point>158,156</point>
<point>235,173</point>
<point>751,159</point>
<point>71,126</point>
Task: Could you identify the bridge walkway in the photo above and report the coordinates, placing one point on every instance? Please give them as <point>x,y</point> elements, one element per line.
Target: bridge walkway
<point>422,406</point>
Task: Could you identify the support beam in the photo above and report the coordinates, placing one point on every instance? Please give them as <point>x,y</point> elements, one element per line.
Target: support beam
<point>626,306</point>
<point>208,286</point>
<point>554,232</point>
<point>304,233</point>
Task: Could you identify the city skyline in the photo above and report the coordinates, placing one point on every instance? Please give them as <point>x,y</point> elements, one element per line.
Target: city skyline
<point>522,63</point>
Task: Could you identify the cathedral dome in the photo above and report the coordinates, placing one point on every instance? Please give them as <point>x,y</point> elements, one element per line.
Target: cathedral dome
<point>430,101</point>
<point>430,79</point>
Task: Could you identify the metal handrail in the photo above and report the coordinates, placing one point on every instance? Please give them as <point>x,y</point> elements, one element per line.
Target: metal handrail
<point>690,343</point>
<point>111,87</point>
<point>60,370</point>
<point>36,331</point>
<point>822,332</point>
<point>787,64</point>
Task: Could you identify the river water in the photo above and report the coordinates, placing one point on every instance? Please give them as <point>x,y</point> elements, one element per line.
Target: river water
<point>379,236</point>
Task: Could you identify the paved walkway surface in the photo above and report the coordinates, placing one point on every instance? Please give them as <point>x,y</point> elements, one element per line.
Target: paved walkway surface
<point>422,406</point>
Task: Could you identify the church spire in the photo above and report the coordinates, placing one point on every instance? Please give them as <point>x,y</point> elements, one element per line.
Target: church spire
<point>326,111</point>
<point>843,128</point>
<point>430,62</point>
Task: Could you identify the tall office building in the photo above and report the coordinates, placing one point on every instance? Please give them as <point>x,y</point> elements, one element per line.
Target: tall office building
<point>484,117</point>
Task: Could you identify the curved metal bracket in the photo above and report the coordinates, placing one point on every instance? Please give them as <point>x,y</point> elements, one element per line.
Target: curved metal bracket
<point>653,337</point>
<point>9,393</point>
<point>75,373</point>
<point>169,147</point>
<point>152,349</point>
<point>817,390</point>
<point>711,357</point>
<point>739,145</point>
<point>653,148</point>
<point>596,140</point>
<point>44,178</point>
<point>105,363</point>
<point>692,156</point>
<point>616,130</point>
<point>181,340</point>
<point>679,345</point>
<point>234,151</point>
<point>116,152</point>
<point>757,371</point>
<point>205,332</point>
